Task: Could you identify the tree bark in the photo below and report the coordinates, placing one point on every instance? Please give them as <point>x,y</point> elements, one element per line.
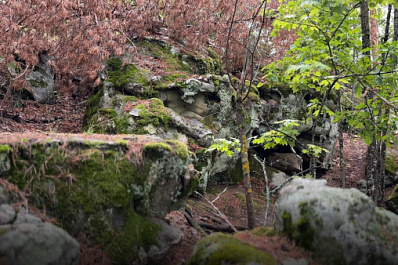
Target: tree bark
<point>341,144</point>
<point>370,159</point>
<point>244,155</point>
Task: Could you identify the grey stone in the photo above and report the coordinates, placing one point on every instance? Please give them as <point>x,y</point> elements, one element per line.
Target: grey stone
<point>286,162</point>
<point>339,225</point>
<point>167,236</point>
<point>7,214</point>
<point>37,244</point>
<point>192,127</point>
<point>361,185</point>
<point>41,79</point>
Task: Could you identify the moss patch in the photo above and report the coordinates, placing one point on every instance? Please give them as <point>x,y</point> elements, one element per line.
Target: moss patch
<point>225,249</point>
<point>36,83</point>
<point>120,74</point>
<point>391,164</point>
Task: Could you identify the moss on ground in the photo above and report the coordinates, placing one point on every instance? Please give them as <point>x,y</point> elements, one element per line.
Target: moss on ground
<point>225,249</point>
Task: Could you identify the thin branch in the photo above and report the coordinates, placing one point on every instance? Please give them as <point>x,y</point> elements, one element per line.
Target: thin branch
<point>219,195</point>
<point>219,212</point>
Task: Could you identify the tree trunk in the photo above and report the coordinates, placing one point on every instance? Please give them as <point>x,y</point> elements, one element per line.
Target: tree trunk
<point>341,144</point>
<point>370,159</point>
<point>244,155</point>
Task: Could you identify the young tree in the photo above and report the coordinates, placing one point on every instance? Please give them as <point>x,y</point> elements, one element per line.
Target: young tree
<point>321,59</point>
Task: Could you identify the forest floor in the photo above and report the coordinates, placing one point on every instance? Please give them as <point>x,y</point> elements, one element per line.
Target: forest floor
<point>66,117</point>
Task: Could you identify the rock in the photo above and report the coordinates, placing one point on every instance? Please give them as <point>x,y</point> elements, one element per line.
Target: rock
<point>392,201</point>
<point>7,214</point>
<point>192,127</point>
<point>286,162</point>
<point>106,188</point>
<point>5,165</point>
<point>341,226</point>
<point>167,236</point>
<point>362,186</point>
<point>276,177</point>
<point>225,249</point>
<point>41,79</point>
<point>37,244</point>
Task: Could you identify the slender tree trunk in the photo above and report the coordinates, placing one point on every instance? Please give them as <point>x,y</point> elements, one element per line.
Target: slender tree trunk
<point>244,155</point>
<point>341,144</point>
<point>370,159</point>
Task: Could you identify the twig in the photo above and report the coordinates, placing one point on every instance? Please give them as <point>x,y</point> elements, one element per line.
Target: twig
<point>262,162</point>
<point>188,216</point>
<point>219,195</point>
<point>219,212</point>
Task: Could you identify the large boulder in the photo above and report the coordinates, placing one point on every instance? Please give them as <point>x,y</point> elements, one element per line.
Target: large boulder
<point>25,239</point>
<point>109,188</point>
<point>341,226</point>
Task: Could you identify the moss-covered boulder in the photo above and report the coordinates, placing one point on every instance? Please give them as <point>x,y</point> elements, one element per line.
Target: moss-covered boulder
<point>340,226</point>
<point>107,187</point>
<point>225,249</point>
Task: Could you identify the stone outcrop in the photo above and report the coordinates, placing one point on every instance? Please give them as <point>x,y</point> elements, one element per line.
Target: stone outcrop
<point>341,226</point>
<point>194,103</point>
<point>115,190</point>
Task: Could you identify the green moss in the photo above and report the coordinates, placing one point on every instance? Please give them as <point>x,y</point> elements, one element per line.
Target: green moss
<point>36,83</point>
<point>391,164</point>
<point>92,108</point>
<point>156,146</point>
<point>393,194</point>
<point>174,79</point>
<point>136,231</point>
<point>160,50</point>
<point>180,149</point>
<point>126,99</point>
<point>264,231</point>
<point>189,63</point>
<point>121,75</point>
<point>5,148</point>
<point>225,249</point>
<point>155,114</point>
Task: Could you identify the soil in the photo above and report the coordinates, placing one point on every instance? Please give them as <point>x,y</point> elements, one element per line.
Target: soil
<point>66,117</point>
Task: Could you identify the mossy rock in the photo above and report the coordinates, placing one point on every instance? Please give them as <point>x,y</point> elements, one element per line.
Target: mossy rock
<point>177,60</point>
<point>225,249</point>
<point>104,188</point>
<point>129,78</point>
